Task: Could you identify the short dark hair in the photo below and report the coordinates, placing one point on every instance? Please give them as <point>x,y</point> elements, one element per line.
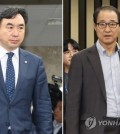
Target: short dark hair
<point>104,8</point>
<point>10,12</point>
<point>72,42</point>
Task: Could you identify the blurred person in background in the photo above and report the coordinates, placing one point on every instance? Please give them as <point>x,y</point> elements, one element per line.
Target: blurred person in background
<point>57,123</point>
<point>70,48</point>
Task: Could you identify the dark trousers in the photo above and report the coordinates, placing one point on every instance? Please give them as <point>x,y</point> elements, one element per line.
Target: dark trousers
<point>113,127</point>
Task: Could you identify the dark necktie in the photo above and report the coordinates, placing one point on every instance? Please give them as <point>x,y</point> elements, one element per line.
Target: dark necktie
<point>10,76</point>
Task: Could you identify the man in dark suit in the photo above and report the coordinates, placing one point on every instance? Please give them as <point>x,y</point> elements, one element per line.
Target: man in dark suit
<point>28,84</point>
<point>93,103</point>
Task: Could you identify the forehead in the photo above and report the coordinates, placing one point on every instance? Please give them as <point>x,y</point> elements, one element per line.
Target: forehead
<point>107,15</point>
<point>70,46</point>
<point>18,19</point>
<point>59,104</point>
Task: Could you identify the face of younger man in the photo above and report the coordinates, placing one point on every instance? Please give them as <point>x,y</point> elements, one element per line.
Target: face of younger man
<point>12,32</point>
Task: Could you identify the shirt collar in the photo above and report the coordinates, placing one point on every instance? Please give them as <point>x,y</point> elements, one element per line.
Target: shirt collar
<point>56,123</point>
<point>4,51</point>
<point>102,50</point>
<point>16,52</point>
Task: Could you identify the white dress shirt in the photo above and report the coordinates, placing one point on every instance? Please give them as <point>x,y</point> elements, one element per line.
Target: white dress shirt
<point>15,60</point>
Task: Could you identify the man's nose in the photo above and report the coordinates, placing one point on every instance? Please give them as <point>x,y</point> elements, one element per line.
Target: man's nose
<point>15,32</point>
<point>71,53</point>
<point>107,28</point>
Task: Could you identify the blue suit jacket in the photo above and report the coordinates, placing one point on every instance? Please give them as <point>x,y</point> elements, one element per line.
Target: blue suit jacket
<point>31,88</point>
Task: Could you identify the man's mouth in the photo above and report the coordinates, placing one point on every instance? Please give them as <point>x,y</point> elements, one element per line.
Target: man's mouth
<point>14,41</point>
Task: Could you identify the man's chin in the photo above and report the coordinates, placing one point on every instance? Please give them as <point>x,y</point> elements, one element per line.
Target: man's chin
<point>13,46</point>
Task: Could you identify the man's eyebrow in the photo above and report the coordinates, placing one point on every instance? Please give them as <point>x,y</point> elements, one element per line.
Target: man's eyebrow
<point>10,24</point>
<point>21,25</point>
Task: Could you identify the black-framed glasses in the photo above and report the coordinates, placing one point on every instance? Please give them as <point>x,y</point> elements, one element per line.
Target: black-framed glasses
<point>103,25</point>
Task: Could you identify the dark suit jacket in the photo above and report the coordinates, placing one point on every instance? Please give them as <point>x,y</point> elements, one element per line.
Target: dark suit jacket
<point>32,87</point>
<point>60,131</point>
<point>86,93</point>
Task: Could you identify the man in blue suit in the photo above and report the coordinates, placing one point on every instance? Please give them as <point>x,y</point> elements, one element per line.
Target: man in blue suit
<point>31,87</point>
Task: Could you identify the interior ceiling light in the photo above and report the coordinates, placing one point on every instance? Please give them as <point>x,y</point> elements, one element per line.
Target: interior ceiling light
<point>55,21</point>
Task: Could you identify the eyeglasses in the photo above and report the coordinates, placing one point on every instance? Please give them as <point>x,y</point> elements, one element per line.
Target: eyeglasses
<point>103,25</point>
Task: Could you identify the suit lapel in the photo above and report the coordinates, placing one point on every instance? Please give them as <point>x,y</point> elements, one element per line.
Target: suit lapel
<point>93,56</point>
<point>23,65</point>
<point>3,83</point>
